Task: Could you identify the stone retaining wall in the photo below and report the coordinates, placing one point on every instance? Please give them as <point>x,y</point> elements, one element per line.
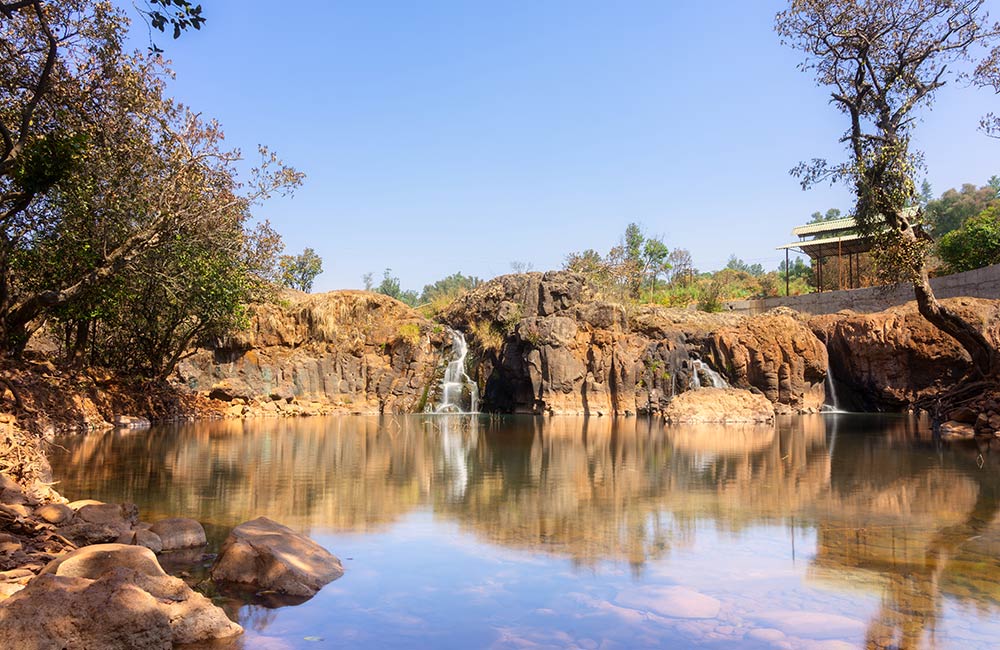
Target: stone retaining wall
<point>980,283</point>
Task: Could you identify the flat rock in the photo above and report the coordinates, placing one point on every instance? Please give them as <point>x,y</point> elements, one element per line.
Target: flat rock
<point>55,513</point>
<point>270,557</point>
<point>179,532</point>
<point>76,505</point>
<point>813,625</point>
<point>719,405</point>
<point>671,602</point>
<point>92,562</point>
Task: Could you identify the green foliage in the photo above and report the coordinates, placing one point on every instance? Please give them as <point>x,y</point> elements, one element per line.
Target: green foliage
<point>736,264</point>
<point>409,332</point>
<point>975,245</point>
<point>486,335</point>
<point>125,227</point>
<point>950,211</point>
<point>830,215</point>
<point>390,287</point>
<point>299,271</point>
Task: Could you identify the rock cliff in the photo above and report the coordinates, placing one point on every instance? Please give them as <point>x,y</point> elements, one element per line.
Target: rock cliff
<point>349,351</point>
<point>547,344</point>
<point>888,360</point>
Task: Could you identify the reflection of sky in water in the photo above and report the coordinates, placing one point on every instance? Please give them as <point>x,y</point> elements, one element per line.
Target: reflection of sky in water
<point>568,533</point>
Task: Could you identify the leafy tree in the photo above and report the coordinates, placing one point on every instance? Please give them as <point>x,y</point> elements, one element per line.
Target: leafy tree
<point>299,271</point>
<point>830,215</point>
<point>883,60</point>
<point>955,206</point>
<point>449,288</point>
<point>975,245</point>
<point>518,266</point>
<point>737,264</point>
<point>107,184</point>
<point>368,281</point>
<point>390,287</point>
<point>926,193</point>
<point>654,259</point>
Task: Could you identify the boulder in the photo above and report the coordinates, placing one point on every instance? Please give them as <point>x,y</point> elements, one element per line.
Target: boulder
<point>179,532</point>
<point>267,556</point>
<point>122,609</point>
<point>55,513</point>
<point>92,562</point>
<point>719,405</point>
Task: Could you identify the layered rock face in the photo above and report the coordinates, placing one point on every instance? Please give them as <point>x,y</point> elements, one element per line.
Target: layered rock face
<point>892,359</point>
<point>351,351</point>
<point>547,344</point>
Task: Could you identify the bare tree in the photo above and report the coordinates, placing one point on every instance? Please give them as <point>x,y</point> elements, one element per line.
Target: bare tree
<point>882,61</point>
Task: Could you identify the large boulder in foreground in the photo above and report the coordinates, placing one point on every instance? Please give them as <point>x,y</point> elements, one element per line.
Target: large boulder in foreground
<point>719,405</point>
<point>110,596</point>
<point>267,556</point>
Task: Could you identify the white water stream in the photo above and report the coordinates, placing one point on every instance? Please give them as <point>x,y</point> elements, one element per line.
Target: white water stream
<point>698,369</point>
<point>456,382</point>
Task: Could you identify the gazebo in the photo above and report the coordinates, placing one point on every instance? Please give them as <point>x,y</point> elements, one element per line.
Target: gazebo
<point>835,238</point>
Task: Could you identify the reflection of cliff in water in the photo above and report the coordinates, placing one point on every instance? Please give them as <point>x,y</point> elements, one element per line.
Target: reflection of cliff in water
<point>920,526</point>
<point>588,489</point>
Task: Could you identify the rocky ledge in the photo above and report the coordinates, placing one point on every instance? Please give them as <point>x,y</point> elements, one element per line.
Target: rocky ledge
<point>547,343</point>
<point>337,352</point>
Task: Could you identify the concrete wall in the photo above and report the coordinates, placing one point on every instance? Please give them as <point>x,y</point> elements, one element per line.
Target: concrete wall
<point>980,283</point>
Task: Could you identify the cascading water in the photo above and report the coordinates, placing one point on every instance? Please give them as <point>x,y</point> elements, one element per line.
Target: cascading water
<point>456,382</point>
<point>700,368</point>
<point>831,394</point>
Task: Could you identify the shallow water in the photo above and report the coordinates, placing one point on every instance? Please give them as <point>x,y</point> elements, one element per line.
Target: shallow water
<point>824,532</point>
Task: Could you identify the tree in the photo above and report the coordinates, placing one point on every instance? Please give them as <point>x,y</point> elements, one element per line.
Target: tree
<point>654,258</point>
<point>883,60</point>
<point>975,245</point>
<point>518,266</point>
<point>390,287</point>
<point>736,264</point>
<point>955,206</point>
<point>110,192</point>
<point>299,271</point>
<point>681,265</point>
<point>830,215</point>
<point>449,288</point>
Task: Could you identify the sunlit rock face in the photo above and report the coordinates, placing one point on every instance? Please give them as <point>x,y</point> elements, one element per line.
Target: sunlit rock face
<point>547,343</point>
<point>889,360</point>
<point>356,351</point>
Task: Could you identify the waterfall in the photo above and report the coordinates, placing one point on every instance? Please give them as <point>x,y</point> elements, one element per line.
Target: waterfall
<point>831,395</point>
<point>699,368</point>
<point>456,382</point>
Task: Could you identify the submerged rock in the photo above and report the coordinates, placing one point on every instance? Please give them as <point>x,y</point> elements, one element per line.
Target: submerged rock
<point>179,532</point>
<point>267,556</point>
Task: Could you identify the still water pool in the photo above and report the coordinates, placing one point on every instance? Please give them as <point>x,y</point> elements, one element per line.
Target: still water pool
<point>823,532</point>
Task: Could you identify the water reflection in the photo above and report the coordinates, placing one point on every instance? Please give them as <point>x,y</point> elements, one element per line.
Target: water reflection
<point>876,506</point>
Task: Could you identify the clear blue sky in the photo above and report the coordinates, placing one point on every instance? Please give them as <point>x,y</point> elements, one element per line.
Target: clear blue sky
<point>459,136</point>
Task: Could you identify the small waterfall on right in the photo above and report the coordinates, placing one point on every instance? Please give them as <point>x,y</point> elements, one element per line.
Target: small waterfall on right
<point>699,368</point>
<point>456,382</point>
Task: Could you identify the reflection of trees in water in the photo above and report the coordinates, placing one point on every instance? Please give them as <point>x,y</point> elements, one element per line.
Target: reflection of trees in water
<point>921,525</point>
<point>589,489</point>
